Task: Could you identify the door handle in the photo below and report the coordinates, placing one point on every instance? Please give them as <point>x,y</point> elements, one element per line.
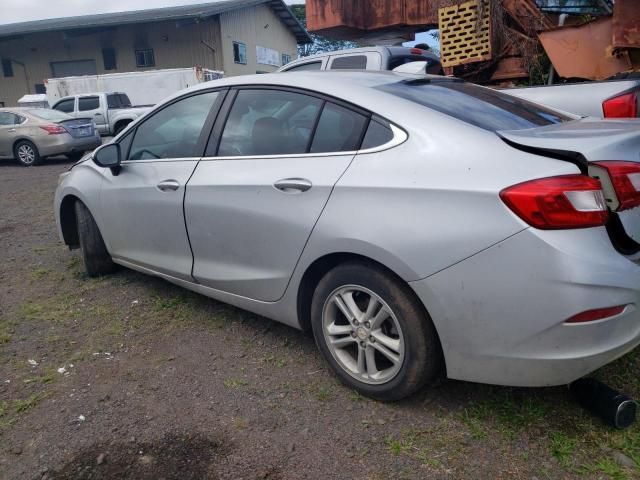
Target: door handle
<point>168,186</point>
<point>97,114</point>
<point>293,185</point>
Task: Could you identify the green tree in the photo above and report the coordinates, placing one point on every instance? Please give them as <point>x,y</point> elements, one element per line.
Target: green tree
<point>320,44</point>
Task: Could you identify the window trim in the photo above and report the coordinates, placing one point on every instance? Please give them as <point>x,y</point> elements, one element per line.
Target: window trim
<point>237,62</point>
<point>301,64</point>
<point>142,50</point>
<point>399,134</point>
<point>89,96</point>
<point>205,134</point>
<point>73,99</point>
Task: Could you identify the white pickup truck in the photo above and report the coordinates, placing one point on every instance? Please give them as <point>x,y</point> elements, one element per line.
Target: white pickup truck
<point>616,98</point>
<point>111,111</point>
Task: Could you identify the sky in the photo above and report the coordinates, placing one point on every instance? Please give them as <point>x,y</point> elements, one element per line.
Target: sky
<point>12,11</point>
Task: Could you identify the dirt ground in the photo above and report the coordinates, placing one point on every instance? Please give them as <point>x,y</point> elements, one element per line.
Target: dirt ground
<point>130,377</point>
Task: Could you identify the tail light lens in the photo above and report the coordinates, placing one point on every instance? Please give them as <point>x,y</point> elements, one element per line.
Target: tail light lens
<point>625,178</point>
<point>596,314</point>
<point>622,106</point>
<point>53,129</point>
<point>554,203</point>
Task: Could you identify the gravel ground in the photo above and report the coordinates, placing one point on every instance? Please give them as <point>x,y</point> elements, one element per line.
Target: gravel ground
<point>130,377</point>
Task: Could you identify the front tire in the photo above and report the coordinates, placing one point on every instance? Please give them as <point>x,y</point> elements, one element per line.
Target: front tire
<point>27,153</point>
<point>97,260</point>
<point>374,332</point>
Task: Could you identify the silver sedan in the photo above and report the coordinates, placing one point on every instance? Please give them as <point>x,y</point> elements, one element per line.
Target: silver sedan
<point>31,134</point>
<point>418,225</point>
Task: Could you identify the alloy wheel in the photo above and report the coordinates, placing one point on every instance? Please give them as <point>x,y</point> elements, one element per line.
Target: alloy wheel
<point>363,334</point>
<point>26,154</point>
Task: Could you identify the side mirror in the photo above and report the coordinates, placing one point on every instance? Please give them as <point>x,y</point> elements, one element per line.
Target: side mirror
<point>108,156</point>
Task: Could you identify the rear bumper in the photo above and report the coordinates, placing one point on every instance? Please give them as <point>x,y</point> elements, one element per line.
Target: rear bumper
<point>65,143</point>
<point>500,313</point>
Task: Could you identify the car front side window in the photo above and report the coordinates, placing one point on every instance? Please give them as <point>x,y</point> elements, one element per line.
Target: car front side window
<point>174,131</point>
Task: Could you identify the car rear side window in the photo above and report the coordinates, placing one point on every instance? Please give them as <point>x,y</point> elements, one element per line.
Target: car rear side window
<point>174,131</point>
<point>88,103</point>
<point>351,62</point>
<point>269,122</point>
<point>8,118</point>
<point>118,100</point>
<point>378,133</point>
<point>479,106</point>
<point>305,66</point>
<point>339,130</point>
<point>65,105</point>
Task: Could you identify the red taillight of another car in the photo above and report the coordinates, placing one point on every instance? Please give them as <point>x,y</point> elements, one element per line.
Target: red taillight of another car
<point>625,178</point>
<point>557,203</point>
<point>622,106</point>
<point>53,129</point>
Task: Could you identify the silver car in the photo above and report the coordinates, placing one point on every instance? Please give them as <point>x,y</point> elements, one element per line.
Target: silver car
<point>31,134</point>
<point>416,224</point>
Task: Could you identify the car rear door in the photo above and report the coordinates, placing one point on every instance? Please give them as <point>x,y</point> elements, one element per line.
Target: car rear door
<point>8,133</point>
<point>141,206</point>
<point>89,107</point>
<point>269,170</point>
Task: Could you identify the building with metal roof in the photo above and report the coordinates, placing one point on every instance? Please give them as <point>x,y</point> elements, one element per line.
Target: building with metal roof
<point>235,36</point>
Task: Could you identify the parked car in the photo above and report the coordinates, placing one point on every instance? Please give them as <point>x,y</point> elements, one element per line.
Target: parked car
<point>31,134</point>
<point>111,112</point>
<point>368,58</point>
<point>619,98</point>
<point>414,223</point>
<point>608,99</point>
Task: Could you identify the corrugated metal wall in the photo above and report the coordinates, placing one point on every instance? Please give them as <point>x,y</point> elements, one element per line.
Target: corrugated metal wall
<point>208,44</point>
<point>254,26</point>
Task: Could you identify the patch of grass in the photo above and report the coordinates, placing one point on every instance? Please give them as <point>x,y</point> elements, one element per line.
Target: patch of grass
<point>40,249</point>
<point>562,447</point>
<point>275,361</point>
<point>324,393</point>
<point>168,303</point>
<point>476,427</point>
<point>608,467</point>
<point>4,337</point>
<point>356,397</point>
<point>39,273</point>
<point>20,406</point>
<point>396,446</point>
<point>240,423</point>
<point>425,458</point>
<point>235,382</point>
<point>49,375</point>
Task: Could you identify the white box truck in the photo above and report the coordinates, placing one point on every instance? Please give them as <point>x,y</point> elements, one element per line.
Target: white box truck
<point>143,88</point>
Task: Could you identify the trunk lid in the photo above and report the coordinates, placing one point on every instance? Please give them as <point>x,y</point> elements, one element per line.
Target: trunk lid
<point>79,127</point>
<point>595,140</point>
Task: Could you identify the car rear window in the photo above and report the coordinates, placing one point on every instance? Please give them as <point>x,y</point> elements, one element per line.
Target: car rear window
<point>479,106</point>
<point>50,115</point>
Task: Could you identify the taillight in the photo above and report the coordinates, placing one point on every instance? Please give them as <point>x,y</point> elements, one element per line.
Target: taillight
<point>625,178</point>
<point>596,314</point>
<point>53,129</point>
<point>567,201</point>
<point>622,106</point>
<point>416,51</point>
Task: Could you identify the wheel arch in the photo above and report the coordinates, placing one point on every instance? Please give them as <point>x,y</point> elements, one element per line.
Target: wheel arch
<point>22,139</point>
<point>68,221</point>
<point>318,268</point>
<point>121,123</point>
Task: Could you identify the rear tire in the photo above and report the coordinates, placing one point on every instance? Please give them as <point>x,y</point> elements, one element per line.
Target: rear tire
<point>27,153</point>
<point>97,260</point>
<point>390,348</point>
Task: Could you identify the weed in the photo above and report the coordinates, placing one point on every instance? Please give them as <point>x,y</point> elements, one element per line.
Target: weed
<point>40,273</point>
<point>324,393</point>
<point>235,382</point>
<point>20,406</point>
<point>562,447</point>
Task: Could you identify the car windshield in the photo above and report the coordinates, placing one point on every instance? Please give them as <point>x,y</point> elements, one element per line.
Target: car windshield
<point>479,106</point>
<point>51,115</point>
<point>118,100</point>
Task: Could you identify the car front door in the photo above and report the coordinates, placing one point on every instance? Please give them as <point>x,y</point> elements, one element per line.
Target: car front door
<point>141,206</point>
<point>254,198</point>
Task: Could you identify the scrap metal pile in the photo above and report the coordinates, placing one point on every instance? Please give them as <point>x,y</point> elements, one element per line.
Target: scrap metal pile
<point>498,41</point>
